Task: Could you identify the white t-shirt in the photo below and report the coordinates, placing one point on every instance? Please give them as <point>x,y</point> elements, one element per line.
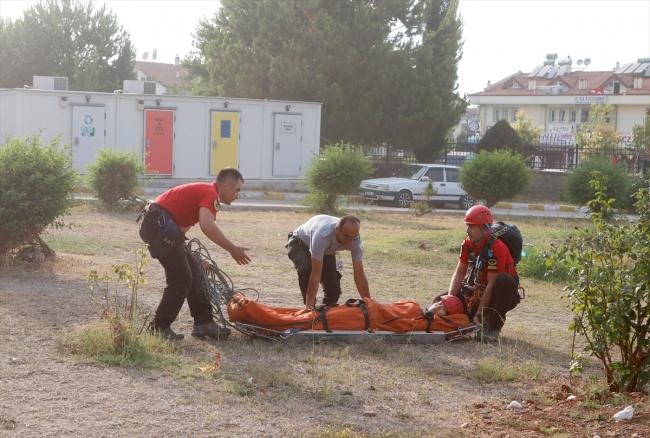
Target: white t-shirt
<point>319,235</point>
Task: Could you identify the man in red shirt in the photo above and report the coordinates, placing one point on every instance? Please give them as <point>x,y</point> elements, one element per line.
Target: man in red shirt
<point>485,277</point>
<point>163,228</point>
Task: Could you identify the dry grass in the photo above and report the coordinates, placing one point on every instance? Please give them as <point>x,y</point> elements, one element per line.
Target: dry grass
<point>264,388</point>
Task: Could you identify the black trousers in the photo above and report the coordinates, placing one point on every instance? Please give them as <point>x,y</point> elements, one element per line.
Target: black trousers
<point>330,278</point>
<point>505,297</point>
<point>184,279</point>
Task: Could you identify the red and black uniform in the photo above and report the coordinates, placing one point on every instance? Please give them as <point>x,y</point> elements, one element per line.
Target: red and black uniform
<point>182,272</point>
<point>483,261</point>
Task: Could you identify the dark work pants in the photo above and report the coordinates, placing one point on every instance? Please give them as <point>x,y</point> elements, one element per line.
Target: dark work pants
<point>184,280</point>
<point>330,278</point>
<point>505,297</point>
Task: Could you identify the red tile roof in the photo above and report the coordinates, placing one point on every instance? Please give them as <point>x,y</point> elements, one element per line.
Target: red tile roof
<point>595,79</point>
<point>165,74</point>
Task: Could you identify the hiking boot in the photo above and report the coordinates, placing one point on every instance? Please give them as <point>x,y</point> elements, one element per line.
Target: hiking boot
<point>211,330</point>
<point>166,333</point>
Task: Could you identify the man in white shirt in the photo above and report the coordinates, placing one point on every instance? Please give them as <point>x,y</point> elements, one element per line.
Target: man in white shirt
<point>312,248</point>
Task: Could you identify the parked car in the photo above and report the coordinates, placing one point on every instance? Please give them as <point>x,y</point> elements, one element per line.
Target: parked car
<point>408,182</point>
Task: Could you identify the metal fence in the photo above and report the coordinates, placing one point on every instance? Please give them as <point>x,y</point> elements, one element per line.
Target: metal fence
<point>543,154</point>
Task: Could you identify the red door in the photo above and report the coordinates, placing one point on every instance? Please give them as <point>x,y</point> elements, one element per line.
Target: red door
<point>159,142</point>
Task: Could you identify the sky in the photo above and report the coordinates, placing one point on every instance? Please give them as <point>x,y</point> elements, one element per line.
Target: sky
<point>500,37</point>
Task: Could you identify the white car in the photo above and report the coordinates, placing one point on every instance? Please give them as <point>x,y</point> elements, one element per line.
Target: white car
<point>408,182</point>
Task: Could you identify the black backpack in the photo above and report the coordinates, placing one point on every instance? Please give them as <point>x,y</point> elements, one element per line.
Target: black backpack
<point>508,234</point>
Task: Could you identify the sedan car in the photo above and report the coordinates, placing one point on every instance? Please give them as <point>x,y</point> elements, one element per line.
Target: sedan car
<point>408,182</point>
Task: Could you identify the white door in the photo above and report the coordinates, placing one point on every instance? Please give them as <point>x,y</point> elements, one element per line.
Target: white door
<point>454,191</point>
<point>436,175</point>
<point>287,140</point>
<point>87,135</point>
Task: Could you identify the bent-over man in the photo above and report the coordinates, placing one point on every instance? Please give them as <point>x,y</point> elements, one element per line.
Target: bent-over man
<point>313,247</point>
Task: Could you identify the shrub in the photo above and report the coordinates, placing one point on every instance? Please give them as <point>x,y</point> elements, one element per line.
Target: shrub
<point>338,171</point>
<point>609,289</point>
<point>115,175</point>
<point>37,182</point>
<point>423,207</point>
<point>501,136</point>
<point>578,190</point>
<point>494,176</point>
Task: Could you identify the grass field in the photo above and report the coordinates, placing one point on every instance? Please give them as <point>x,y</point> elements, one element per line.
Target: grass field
<point>264,388</point>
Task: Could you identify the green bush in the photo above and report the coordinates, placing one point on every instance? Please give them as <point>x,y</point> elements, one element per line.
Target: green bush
<point>609,289</point>
<point>494,176</point>
<point>501,136</point>
<point>37,183</point>
<point>577,188</point>
<point>115,175</point>
<point>338,171</point>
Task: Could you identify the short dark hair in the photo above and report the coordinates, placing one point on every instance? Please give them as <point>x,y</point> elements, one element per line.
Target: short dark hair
<point>229,173</point>
<point>348,218</point>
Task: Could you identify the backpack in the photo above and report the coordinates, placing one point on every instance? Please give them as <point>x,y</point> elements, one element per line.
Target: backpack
<point>510,235</point>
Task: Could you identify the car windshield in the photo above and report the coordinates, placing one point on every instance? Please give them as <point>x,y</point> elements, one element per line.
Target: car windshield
<point>410,171</point>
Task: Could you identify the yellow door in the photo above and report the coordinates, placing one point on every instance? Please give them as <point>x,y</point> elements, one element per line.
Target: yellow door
<point>224,141</point>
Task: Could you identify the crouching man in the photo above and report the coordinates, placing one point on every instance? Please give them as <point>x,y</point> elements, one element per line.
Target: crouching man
<point>485,277</point>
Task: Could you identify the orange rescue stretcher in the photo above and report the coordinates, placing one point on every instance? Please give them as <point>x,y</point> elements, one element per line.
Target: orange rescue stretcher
<point>357,320</point>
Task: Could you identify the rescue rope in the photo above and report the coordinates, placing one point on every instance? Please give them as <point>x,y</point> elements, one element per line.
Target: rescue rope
<point>217,285</point>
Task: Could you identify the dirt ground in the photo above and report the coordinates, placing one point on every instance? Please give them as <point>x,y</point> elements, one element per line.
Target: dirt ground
<point>269,389</point>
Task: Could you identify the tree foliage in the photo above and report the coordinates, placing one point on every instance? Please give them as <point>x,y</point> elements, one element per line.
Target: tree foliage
<point>641,134</point>
<point>609,289</point>
<point>578,188</point>
<point>66,38</point>
<point>339,171</point>
<point>501,136</point>
<point>36,186</point>
<point>524,128</point>
<point>384,71</point>
<point>495,176</point>
<point>115,175</point>
<point>598,133</point>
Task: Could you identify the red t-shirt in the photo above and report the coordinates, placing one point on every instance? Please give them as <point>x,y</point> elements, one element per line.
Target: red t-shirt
<point>498,258</point>
<point>184,202</point>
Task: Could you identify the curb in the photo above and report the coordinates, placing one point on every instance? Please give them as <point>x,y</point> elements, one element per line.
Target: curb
<point>541,207</point>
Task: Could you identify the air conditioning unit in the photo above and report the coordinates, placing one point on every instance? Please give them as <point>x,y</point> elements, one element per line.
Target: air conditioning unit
<point>139,87</point>
<point>50,83</point>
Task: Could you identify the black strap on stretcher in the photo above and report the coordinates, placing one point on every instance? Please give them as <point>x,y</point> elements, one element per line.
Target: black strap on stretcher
<point>430,316</point>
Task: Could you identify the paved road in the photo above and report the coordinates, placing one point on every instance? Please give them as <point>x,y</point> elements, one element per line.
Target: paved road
<point>277,205</point>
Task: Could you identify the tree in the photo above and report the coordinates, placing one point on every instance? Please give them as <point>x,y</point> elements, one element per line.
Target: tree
<point>501,136</point>
<point>524,128</point>
<point>66,38</point>
<point>494,176</point>
<point>37,183</point>
<point>597,134</point>
<point>609,289</point>
<point>378,85</point>
<point>339,171</point>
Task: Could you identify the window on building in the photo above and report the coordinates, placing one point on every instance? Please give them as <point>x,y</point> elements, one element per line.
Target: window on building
<point>514,85</point>
<point>496,114</point>
<point>552,115</point>
<point>584,115</point>
<point>508,114</point>
<point>562,116</point>
<point>514,115</point>
<point>573,116</point>
<point>505,111</point>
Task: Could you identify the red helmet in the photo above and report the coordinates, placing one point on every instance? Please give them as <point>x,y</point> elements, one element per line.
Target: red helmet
<point>452,303</point>
<point>478,215</point>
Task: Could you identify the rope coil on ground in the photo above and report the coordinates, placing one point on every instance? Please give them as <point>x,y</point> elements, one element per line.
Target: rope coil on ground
<point>217,285</point>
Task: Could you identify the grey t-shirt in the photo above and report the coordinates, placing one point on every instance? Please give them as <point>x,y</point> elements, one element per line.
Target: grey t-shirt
<point>319,234</point>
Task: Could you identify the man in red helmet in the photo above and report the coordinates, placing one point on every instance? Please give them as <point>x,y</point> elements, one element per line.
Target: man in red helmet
<point>485,277</point>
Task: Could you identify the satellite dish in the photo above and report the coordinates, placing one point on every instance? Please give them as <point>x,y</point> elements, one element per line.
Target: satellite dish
<point>579,62</point>
<point>155,54</point>
<point>145,55</point>
<point>587,61</point>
